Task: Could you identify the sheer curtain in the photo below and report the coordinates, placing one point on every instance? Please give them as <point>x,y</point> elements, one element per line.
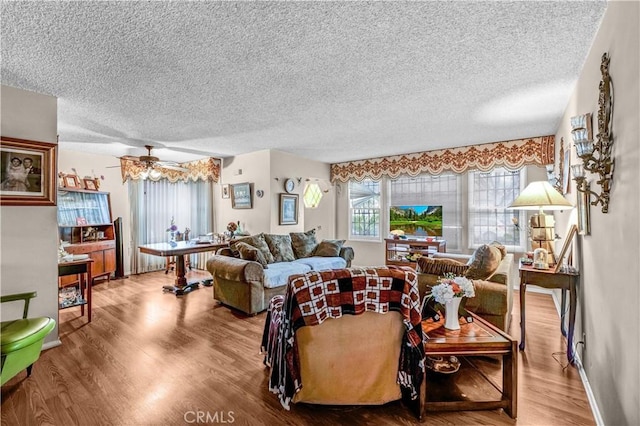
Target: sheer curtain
<point>154,204</point>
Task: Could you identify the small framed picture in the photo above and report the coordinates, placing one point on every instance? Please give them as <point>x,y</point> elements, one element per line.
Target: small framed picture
<point>288,209</point>
<point>225,191</point>
<point>89,184</point>
<point>70,181</point>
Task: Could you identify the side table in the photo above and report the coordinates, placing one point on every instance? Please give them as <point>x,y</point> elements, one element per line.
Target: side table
<point>83,268</point>
<point>549,278</point>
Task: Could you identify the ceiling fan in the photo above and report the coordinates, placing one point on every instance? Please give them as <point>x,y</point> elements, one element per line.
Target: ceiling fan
<point>153,162</point>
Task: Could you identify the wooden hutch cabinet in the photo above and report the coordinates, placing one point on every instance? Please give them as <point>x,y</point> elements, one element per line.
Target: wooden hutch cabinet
<point>84,222</point>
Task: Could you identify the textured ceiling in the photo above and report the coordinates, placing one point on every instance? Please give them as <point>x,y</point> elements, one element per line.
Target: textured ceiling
<point>323,80</point>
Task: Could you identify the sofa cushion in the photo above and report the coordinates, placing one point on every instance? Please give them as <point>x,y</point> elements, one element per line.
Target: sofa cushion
<point>329,248</point>
<point>318,263</point>
<point>256,241</point>
<point>501,247</point>
<point>427,265</point>
<point>248,252</point>
<point>303,243</point>
<point>483,262</point>
<point>278,273</point>
<point>280,247</point>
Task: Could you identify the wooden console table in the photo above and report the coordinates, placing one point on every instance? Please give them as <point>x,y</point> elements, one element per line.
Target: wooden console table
<point>397,249</point>
<point>83,268</point>
<point>548,278</point>
<point>179,250</point>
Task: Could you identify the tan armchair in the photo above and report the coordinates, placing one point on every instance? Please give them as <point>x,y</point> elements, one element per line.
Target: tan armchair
<point>494,294</point>
<point>327,343</point>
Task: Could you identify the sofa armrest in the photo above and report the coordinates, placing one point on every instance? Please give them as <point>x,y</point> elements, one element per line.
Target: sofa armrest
<point>233,269</point>
<point>347,254</point>
<point>504,273</point>
<point>491,298</point>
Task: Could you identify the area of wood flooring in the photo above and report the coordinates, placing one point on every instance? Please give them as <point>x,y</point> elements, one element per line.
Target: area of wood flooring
<point>151,358</point>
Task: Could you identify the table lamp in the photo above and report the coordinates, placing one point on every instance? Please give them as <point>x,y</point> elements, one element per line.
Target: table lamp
<point>541,196</point>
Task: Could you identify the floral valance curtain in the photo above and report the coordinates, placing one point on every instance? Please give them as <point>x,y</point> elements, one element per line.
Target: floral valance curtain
<point>510,154</point>
<point>207,169</point>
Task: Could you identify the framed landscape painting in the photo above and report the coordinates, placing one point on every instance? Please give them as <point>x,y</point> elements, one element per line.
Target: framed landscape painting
<point>27,173</point>
<point>241,196</point>
<point>288,209</point>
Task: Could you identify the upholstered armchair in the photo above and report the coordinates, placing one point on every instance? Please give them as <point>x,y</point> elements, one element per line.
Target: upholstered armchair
<point>350,336</point>
<point>22,338</point>
<point>490,268</point>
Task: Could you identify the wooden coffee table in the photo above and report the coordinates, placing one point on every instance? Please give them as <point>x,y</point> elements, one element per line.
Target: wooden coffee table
<point>470,387</point>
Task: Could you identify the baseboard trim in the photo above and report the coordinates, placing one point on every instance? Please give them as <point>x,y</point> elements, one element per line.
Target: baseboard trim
<point>583,374</point>
<point>52,344</point>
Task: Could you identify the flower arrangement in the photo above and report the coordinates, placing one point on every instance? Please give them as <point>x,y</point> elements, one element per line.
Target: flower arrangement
<point>173,227</point>
<point>450,287</point>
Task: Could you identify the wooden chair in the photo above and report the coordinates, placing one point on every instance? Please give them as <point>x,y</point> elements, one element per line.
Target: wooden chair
<point>22,338</point>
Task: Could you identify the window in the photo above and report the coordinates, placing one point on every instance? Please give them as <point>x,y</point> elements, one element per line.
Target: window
<point>364,210</point>
<point>489,220</point>
<point>153,204</point>
<point>442,190</point>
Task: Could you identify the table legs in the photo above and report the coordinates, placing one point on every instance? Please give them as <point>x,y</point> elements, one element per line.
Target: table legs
<point>523,290</point>
<point>181,286</point>
<point>509,381</point>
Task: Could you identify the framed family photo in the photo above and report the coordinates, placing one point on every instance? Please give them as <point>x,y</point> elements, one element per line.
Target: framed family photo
<point>241,196</point>
<point>27,172</point>
<point>288,209</point>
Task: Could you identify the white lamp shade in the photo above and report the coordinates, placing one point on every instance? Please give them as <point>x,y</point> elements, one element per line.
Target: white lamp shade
<point>540,195</point>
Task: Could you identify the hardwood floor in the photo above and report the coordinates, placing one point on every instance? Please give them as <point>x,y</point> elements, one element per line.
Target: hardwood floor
<point>154,358</point>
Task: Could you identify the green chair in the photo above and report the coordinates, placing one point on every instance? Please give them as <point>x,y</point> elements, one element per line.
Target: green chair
<point>22,338</point>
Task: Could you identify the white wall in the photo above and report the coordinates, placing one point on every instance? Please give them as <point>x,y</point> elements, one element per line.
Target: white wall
<point>254,168</point>
<point>101,165</point>
<point>609,258</point>
<point>261,168</point>
<point>29,235</point>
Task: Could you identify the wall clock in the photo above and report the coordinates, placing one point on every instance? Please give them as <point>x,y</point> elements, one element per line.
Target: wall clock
<point>289,185</point>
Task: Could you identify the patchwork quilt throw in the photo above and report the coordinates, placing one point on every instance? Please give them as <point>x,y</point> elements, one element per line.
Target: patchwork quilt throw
<point>317,295</point>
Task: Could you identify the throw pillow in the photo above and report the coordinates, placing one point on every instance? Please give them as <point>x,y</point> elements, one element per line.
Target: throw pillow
<point>280,247</point>
<point>499,246</point>
<point>256,241</point>
<point>249,252</point>
<point>427,265</point>
<point>329,248</point>
<point>303,243</point>
<point>484,262</point>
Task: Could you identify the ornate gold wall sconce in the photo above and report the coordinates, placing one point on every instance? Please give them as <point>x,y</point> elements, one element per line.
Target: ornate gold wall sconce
<point>596,157</point>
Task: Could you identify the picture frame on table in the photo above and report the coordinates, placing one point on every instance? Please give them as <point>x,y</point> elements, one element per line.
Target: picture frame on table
<point>27,172</point>
<point>70,181</point>
<point>90,184</point>
<point>288,209</point>
<point>241,196</point>
<point>573,230</point>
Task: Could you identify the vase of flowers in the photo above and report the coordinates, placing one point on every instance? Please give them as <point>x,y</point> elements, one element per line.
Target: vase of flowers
<point>449,293</point>
<point>172,231</point>
<point>232,227</point>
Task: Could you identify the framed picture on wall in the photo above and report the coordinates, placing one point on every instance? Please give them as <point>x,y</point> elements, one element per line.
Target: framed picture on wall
<point>241,196</point>
<point>27,173</point>
<point>225,191</point>
<point>288,209</point>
